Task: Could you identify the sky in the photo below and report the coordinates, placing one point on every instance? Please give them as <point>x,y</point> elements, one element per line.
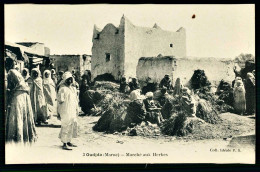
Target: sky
<point>223,31</point>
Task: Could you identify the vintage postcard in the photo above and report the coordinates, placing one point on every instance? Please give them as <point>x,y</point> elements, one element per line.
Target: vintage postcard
<point>107,83</point>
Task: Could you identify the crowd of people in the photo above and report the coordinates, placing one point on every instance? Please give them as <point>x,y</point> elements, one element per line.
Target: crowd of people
<point>244,94</point>
<point>153,98</point>
<point>34,97</point>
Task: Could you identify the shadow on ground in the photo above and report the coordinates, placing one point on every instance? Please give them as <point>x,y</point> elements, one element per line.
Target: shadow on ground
<point>49,126</point>
<point>243,141</point>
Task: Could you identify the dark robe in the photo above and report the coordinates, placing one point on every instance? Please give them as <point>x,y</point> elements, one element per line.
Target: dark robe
<point>133,86</point>
<point>123,86</point>
<point>86,98</point>
<point>250,96</point>
<point>166,83</point>
<point>150,87</point>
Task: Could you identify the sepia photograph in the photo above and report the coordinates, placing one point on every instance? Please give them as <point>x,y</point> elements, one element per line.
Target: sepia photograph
<point>122,83</point>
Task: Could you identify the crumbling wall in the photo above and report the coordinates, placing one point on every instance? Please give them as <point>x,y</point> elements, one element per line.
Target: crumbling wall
<point>108,41</point>
<point>215,69</point>
<point>183,68</point>
<point>155,68</point>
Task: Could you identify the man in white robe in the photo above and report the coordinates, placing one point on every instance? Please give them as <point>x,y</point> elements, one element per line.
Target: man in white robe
<point>68,111</point>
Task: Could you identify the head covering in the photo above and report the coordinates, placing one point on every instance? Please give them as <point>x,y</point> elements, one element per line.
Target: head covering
<point>66,76</point>
<point>123,78</point>
<point>239,83</point>
<point>186,90</point>
<point>178,87</point>
<point>16,79</point>
<point>47,80</point>
<point>135,95</point>
<point>36,70</point>
<point>149,94</point>
<point>38,80</point>
<point>53,71</point>
<point>250,75</point>
<point>27,75</point>
<point>238,78</point>
<point>44,73</point>
<point>61,73</point>
<point>239,86</point>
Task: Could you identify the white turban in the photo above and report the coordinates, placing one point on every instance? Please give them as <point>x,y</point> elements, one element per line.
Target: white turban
<point>66,75</point>
<point>149,94</point>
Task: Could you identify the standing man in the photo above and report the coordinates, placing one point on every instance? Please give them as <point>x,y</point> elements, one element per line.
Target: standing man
<point>68,110</point>
<point>123,85</point>
<point>49,90</point>
<point>59,79</point>
<point>53,76</point>
<point>250,93</point>
<point>38,98</point>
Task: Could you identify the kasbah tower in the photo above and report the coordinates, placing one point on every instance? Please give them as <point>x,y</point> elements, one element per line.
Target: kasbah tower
<point>116,50</point>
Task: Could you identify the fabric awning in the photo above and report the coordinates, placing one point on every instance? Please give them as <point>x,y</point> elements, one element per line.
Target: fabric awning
<point>17,51</point>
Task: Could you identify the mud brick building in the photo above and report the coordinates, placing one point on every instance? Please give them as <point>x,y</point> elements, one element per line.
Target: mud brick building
<point>116,50</point>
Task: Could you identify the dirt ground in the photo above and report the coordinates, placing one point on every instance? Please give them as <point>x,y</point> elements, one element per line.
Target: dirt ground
<point>231,141</point>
